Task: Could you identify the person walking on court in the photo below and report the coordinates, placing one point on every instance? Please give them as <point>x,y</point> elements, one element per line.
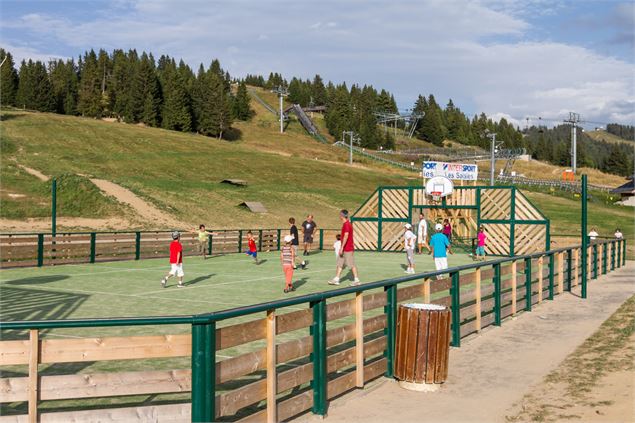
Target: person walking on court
<point>481,239</point>
<point>287,259</point>
<point>176,260</point>
<point>422,234</point>
<point>409,246</point>
<point>295,243</point>
<point>346,252</point>
<point>440,248</point>
<point>447,229</point>
<point>203,236</point>
<point>308,229</point>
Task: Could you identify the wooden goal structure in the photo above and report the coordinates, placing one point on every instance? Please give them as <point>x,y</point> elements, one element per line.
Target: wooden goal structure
<point>512,223</point>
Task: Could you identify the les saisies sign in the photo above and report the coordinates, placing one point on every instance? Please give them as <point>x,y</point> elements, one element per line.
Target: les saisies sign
<point>456,171</point>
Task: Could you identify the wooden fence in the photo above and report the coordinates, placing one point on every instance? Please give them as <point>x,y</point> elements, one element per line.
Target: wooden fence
<point>27,250</point>
<point>290,362</point>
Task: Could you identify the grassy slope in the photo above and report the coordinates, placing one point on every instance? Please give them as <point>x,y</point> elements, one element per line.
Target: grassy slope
<point>291,174</point>
<point>602,135</point>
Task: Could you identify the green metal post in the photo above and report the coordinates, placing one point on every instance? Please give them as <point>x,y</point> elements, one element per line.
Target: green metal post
<point>318,356</point>
<point>456,310</point>
<point>497,295</point>
<point>585,239</point>
<point>321,239</point>
<point>623,252</point>
<point>569,269</point>
<point>604,258</point>
<point>380,206</point>
<point>619,253</point>
<point>54,207</point>
<point>203,372</point>
<point>548,236</point>
<point>40,250</point>
<point>240,241</point>
<point>279,235</point>
<point>552,260</point>
<point>595,261</point>
<point>93,239</point>
<point>137,245</point>
<point>612,255</point>
<point>391,327</point>
<point>209,244</point>
<point>512,224</point>
<point>528,284</point>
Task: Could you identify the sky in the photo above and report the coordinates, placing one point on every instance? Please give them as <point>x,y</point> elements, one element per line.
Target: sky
<point>516,59</point>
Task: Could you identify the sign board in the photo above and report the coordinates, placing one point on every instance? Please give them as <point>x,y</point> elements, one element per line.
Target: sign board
<point>457,171</point>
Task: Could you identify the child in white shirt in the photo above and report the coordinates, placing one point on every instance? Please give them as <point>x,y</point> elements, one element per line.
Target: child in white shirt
<point>337,246</point>
<point>409,245</point>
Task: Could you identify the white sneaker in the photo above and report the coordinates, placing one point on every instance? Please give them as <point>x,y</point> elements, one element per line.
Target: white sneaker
<point>356,282</point>
<point>181,285</point>
<point>163,282</point>
<point>334,281</point>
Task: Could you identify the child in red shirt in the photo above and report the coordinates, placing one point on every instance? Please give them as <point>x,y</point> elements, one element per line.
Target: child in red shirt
<point>176,260</point>
<point>253,250</point>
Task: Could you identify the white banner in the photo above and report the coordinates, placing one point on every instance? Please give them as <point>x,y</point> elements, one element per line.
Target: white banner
<point>456,171</point>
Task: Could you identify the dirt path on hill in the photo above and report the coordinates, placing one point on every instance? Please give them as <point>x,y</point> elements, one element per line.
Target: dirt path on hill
<point>491,372</point>
<point>42,177</point>
<point>146,211</point>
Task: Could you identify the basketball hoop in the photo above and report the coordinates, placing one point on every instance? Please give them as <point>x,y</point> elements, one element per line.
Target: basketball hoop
<point>436,196</point>
<point>439,187</point>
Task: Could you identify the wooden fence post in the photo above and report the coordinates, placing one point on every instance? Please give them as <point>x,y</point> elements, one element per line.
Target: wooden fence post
<point>34,359</point>
<point>359,339</point>
<point>426,291</point>
<point>272,385</point>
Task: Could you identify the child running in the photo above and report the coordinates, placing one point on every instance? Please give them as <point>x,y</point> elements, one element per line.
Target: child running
<point>409,245</point>
<point>253,250</point>
<point>202,236</point>
<point>337,245</point>
<point>481,239</point>
<point>287,258</point>
<point>176,261</point>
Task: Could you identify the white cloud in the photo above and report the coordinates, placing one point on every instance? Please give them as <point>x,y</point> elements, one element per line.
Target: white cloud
<point>482,54</point>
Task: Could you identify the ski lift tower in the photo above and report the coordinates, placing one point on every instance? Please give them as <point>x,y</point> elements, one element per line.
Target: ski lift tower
<point>282,93</point>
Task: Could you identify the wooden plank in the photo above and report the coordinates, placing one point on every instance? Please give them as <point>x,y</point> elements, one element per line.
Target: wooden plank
<point>272,378</point>
<point>14,352</point>
<point>230,336</point>
<point>375,300</point>
<point>293,321</point>
<point>340,309</point>
<point>359,340</point>
<point>34,359</point>
<point>513,281</point>
<point>173,413</point>
<point>340,385</point>
<point>115,348</point>
<point>477,290</point>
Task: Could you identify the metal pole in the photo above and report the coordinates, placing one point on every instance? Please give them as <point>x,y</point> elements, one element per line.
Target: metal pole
<point>350,151</point>
<point>54,207</point>
<point>391,328</point>
<point>456,309</point>
<point>318,357</point>
<point>585,239</point>
<point>493,161</point>
<point>281,116</point>
<point>574,159</point>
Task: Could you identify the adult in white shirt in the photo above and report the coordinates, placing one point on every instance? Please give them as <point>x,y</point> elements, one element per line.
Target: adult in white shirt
<point>618,234</point>
<point>409,245</point>
<point>422,234</point>
<point>593,234</point>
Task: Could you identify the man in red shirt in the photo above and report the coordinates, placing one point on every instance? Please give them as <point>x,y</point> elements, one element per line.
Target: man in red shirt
<point>176,260</point>
<point>345,256</point>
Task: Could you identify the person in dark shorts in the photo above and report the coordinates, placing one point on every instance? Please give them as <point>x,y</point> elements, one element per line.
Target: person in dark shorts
<point>295,243</point>
<point>308,229</point>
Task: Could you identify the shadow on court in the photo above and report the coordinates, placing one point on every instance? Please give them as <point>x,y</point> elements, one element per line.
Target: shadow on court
<point>300,282</point>
<point>37,280</point>
<point>36,304</point>
<point>199,279</point>
<point>261,262</point>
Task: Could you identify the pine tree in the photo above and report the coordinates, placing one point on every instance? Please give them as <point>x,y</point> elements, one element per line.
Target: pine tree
<point>63,76</point>
<point>34,88</point>
<point>8,80</point>
<point>241,109</point>
<point>318,91</point>
<point>90,82</point>
<point>176,108</point>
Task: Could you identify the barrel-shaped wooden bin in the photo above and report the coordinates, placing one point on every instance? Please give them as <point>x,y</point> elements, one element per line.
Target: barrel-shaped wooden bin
<point>423,343</point>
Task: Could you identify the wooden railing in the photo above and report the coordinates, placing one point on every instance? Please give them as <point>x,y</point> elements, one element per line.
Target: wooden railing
<point>33,249</point>
<point>281,363</point>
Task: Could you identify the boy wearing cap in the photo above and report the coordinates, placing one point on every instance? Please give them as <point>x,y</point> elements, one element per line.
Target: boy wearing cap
<point>176,260</point>
<point>409,246</point>
<point>440,246</point>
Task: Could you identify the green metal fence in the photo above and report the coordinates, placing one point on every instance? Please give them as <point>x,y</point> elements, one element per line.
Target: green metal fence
<point>203,326</point>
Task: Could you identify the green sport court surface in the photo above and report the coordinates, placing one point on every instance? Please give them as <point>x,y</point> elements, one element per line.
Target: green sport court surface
<point>132,288</point>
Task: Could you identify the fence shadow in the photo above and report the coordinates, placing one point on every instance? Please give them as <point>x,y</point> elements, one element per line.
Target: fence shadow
<point>37,280</point>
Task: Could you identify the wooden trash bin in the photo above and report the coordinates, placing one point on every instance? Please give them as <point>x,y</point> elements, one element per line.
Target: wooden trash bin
<point>422,346</point>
